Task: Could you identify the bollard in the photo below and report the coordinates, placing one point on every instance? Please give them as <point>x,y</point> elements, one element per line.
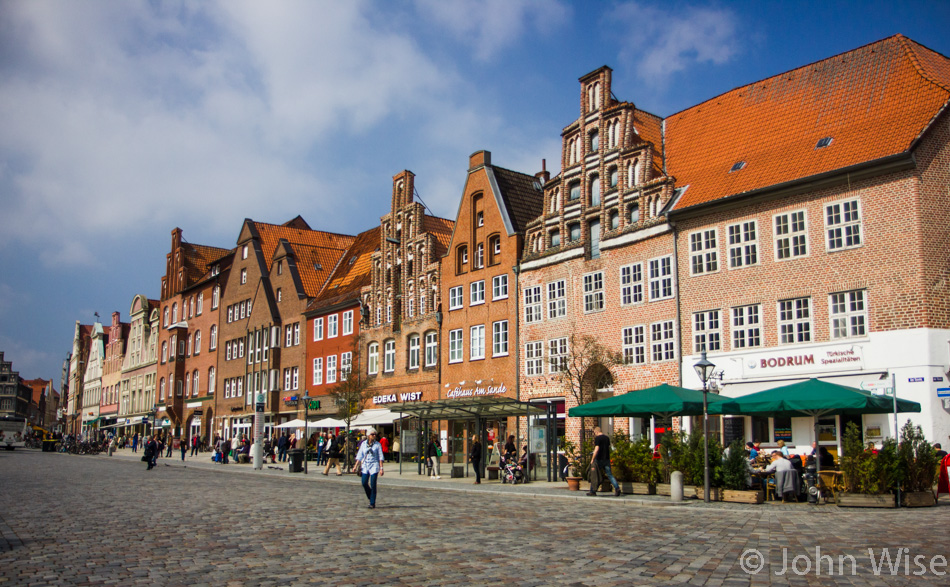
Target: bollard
<point>676,486</point>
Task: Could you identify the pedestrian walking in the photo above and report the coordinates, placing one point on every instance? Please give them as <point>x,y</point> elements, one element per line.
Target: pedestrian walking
<point>384,444</point>
<point>183,445</point>
<point>369,460</point>
<point>170,445</point>
<point>224,447</point>
<point>396,449</point>
<point>475,456</point>
<point>600,462</point>
<point>195,442</point>
<point>433,452</point>
<point>135,442</point>
<point>236,448</point>
<point>151,452</point>
<point>282,444</point>
<point>333,456</point>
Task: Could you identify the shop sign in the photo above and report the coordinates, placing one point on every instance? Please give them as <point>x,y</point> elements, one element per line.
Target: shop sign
<point>412,396</point>
<point>197,412</point>
<point>460,391</point>
<point>832,358</point>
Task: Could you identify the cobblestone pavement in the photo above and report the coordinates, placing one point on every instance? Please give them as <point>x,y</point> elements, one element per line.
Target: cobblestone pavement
<point>99,520</point>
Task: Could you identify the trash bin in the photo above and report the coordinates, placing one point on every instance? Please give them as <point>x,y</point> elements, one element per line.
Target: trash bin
<point>49,446</point>
<point>295,458</point>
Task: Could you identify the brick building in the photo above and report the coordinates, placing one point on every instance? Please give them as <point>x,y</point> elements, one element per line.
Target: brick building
<point>480,290</point>
<point>813,242</point>
<point>277,270</point>
<point>190,274</point>
<point>92,378</point>
<point>599,262</point>
<point>76,374</point>
<point>112,372</point>
<point>15,394</point>
<point>137,391</point>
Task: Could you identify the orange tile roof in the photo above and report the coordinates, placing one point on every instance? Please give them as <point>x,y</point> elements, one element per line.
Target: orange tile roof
<point>312,247</point>
<point>441,229</point>
<point>874,101</point>
<point>352,273</point>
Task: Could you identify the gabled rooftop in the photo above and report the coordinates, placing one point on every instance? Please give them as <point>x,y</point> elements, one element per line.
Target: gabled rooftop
<point>872,102</point>
<point>352,272</point>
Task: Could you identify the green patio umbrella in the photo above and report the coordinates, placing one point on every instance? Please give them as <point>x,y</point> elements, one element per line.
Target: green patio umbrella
<point>812,398</point>
<point>661,400</point>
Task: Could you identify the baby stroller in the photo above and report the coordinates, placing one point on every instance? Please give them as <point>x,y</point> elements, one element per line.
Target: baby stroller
<point>511,472</point>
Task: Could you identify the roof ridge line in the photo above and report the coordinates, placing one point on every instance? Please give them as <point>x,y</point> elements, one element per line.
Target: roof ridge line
<point>915,61</point>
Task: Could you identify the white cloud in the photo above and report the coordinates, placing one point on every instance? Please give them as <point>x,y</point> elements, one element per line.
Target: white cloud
<point>663,42</point>
<point>491,26</point>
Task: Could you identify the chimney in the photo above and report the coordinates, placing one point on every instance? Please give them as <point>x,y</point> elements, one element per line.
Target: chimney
<point>544,175</point>
<point>479,159</point>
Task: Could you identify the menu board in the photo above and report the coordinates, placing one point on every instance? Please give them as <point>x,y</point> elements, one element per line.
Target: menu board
<point>732,429</point>
<point>783,433</point>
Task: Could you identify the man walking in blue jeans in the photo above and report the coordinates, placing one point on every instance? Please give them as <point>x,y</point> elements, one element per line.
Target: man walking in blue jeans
<point>601,460</point>
<point>370,456</point>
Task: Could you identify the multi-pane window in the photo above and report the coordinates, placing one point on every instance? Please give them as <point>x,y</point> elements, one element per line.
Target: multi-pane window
<point>197,349</point>
<point>211,381</point>
<point>631,284</point>
<point>348,322</point>
<point>634,345</point>
<point>707,331</point>
<point>703,252</point>
<point>849,314</point>
<point>480,255</point>
<point>287,380</point>
<point>318,371</point>
<point>557,355</point>
<point>295,375</point>
<point>455,297</point>
<point>410,306</point>
<point>333,326</point>
<point>743,244</point>
<point>288,335</point>
<point>499,338</point>
<point>318,329</point>
<point>201,303</point>
<point>794,320</point>
<point>243,276</point>
<point>414,351</point>
<point>389,356</point>
<point>213,341</point>
<point>215,297</point>
<point>843,225</point>
<point>790,235</point>
<point>372,361</point>
<point>557,299</point>
<point>477,342</point>
<point>662,342</point>
<point>532,304</point>
<point>746,326</point>
<point>455,345</point>
<point>331,369</point>
<point>296,333</point>
<point>432,349</point>
<point>346,365</point>
<point>534,363</point>
<point>478,292</point>
<point>594,292</point>
<point>661,278</point>
<point>499,287</point>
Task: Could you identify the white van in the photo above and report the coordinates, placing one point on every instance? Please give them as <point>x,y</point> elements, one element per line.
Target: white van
<point>13,432</point>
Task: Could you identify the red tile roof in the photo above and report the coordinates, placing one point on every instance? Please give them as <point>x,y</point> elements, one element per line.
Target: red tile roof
<point>441,229</point>
<point>353,272</point>
<point>874,102</point>
<point>313,248</point>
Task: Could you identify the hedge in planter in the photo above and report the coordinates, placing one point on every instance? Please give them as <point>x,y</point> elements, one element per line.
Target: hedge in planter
<point>919,466</point>
<point>866,473</point>
<point>693,470</point>
<point>735,476</point>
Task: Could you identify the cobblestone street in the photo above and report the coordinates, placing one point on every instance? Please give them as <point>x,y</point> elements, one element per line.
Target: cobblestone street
<point>95,520</point>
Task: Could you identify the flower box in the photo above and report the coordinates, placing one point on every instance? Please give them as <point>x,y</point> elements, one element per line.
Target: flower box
<point>865,500</point>
<point>734,496</point>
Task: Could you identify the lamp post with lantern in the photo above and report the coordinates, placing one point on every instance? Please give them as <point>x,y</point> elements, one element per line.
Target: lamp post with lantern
<point>704,368</point>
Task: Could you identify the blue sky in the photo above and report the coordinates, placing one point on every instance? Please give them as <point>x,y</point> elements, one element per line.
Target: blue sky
<point>123,120</point>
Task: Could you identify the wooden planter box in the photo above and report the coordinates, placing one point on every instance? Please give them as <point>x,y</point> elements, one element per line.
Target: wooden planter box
<point>690,492</point>
<point>715,493</point>
<point>666,489</point>
<point>573,483</point>
<point>918,499</point>
<point>734,496</point>
<point>630,487</point>
<point>864,500</point>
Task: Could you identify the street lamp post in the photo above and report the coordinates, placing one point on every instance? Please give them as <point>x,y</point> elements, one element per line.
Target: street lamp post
<point>704,368</point>
<point>306,430</point>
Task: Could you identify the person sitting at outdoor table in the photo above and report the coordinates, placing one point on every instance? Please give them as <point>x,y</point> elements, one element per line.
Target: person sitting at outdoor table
<point>783,449</point>
<point>785,475</point>
<point>753,453</point>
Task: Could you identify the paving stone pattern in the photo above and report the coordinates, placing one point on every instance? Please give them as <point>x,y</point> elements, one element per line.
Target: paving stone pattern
<point>81,520</point>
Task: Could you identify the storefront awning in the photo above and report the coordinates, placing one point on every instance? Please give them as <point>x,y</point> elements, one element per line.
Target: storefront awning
<point>377,417</point>
<point>741,388</point>
<point>467,409</point>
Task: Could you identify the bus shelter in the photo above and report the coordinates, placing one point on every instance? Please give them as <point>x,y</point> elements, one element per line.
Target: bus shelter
<point>480,410</point>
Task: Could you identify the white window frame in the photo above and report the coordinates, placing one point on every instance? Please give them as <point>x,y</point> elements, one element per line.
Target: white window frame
<point>633,340</point>
<point>389,356</point>
<point>333,326</point>
<point>593,292</point>
<point>534,358</point>
<point>432,349</point>
<point>414,351</point>
<point>796,327</point>
<point>848,314</point>
<point>347,322</point>
<point>794,235</point>
<point>476,342</point>
<point>843,226</point>
<point>477,293</point>
<point>746,326</point>
<point>243,276</point>
<point>557,298</point>
<point>499,287</point>
<point>455,297</point>
<point>346,365</point>
<point>742,244</point>
<point>499,338</point>
<point>318,329</point>
<point>661,278</point>
<point>295,373</point>
<point>288,336</point>
<point>532,304</point>
<point>296,333</point>
<point>331,369</point>
<point>704,251</point>
<point>213,341</point>
<point>707,331</point>
<point>372,361</point>
<point>318,371</point>
<point>456,346</point>
<point>631,284</point>
<point>557,354</point>
<point>663,341</point>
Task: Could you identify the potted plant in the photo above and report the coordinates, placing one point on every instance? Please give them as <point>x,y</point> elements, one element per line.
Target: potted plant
<point>673,457</point>
<point>869,479</point>
<point>644,468</point>
<point>578,459</point>
<point>735,476</point>
<point>695,470</point>
<point>920,465</point>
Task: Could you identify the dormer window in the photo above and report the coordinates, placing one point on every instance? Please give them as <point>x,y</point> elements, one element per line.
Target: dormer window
<point>822,143</point>
<point>738,166</point>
